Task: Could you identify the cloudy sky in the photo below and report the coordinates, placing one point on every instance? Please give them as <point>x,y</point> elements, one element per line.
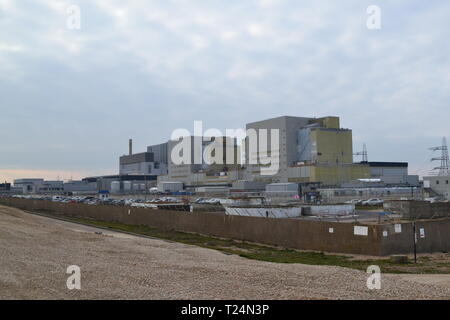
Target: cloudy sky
<point>71,98</point>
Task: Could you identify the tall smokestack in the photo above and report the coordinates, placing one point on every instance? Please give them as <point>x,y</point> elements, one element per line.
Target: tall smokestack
<point>130,147</point>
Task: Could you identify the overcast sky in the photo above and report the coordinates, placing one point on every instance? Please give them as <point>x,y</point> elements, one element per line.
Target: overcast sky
<point>70,99</point>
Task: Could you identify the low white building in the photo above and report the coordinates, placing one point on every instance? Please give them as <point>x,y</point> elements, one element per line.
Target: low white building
<point>170,186</point>
<point>80,186</point>
<point>439,185</point>
<point>282,189</point>
<point>34,185</point>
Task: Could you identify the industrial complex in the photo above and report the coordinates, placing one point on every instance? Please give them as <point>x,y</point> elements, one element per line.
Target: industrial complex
<point>312,179</point>
<point>313,155</point>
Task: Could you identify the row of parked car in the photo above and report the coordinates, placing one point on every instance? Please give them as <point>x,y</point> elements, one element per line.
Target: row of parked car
<point>369,202</point>
<point>379,202</point>
<point>435,199</point>
<point>120,202</point>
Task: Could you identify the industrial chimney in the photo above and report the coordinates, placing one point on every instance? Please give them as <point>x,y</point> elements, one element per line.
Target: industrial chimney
<point>130,147</point>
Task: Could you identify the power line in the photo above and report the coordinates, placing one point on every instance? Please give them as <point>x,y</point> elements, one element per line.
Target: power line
<point>424,166</point>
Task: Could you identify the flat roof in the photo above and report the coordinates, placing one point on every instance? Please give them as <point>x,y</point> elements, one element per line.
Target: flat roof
<point>24,180</point>
<point>123,177</point>
<point>387,164</point>
<point>280,117</point>
<point>281,183</point>
<point>136,158</point>
<point>437,177</point>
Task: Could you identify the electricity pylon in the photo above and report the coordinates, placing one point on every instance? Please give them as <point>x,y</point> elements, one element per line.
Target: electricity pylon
<point>444,167</point>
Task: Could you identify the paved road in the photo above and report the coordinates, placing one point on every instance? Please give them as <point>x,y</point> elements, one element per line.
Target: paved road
<point>35,252</point>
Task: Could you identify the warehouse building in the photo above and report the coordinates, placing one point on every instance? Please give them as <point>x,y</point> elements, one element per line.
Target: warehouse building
<point>282,190</point>
<point>80,187</point>
<point>392,173</point>
<point>5,187</point>
<point>339,195</point>
<point>247,186</point>
<point>137,172</point>
<point>38,186</point>
<point>198,168</point>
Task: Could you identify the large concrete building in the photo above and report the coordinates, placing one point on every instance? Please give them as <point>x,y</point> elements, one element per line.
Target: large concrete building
<point>138,163</point>
<point>199,168</point>
<point>151,162</point>
<point>159,155</point>
<point>309,150</point>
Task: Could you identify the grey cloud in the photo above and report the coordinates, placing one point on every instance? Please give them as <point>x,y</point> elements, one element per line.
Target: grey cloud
<point>71,99</point>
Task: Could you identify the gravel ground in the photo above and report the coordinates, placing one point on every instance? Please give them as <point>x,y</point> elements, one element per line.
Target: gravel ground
<point>35,252</point>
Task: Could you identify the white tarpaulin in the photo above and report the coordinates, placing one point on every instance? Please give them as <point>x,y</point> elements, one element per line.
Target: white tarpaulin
<point>290,212</point>
<point>338,209</point>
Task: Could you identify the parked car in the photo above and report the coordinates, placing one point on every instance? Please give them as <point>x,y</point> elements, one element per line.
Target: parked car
<point>170,199</point>
<point>118,202</point>
<point>153,190</point>
<point>432,199</point>
<point>213,201</point>
<point>354,201</point>
<point>200,200</point>
<point>373,202</point>
<point>57,198</point>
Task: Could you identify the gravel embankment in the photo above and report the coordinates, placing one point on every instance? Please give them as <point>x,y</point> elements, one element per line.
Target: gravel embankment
<point>35,252</point>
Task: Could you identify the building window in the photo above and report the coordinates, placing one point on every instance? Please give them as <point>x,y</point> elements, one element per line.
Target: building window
<point>437,181</point>
<point>446,181</point>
